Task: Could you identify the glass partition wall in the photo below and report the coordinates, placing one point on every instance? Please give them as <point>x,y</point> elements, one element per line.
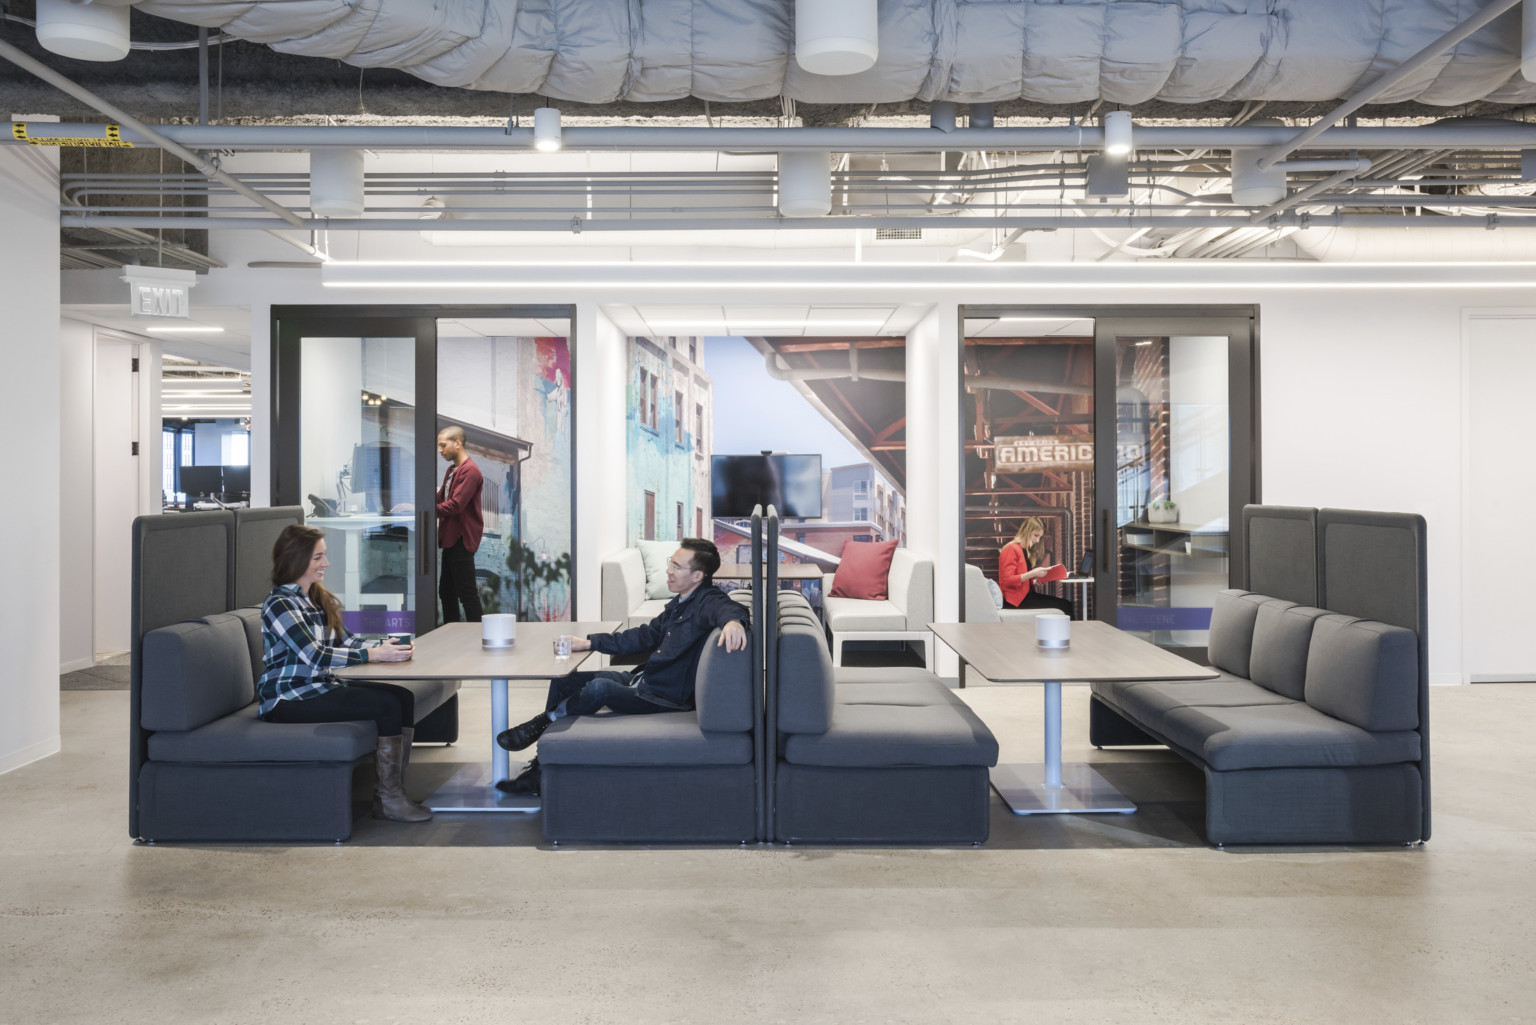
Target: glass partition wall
<point>360,398</point>
<point>1131,437</point>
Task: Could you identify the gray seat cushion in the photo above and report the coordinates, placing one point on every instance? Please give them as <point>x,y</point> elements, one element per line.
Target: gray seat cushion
<point>896,724</point>
<point>194,673</point>
<point>883,674</point>
<point>1148,701</point>
<point>1282,635</point>
<point>862,614</point>
<point>666,738</point>
<point>242,737</point>
<point>1290,735</point>
<point>1231,639</point>
<point>1364,672</point>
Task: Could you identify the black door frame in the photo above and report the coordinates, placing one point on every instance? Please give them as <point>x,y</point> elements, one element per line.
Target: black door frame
<point>290,324</point>
<point>1240,322</point>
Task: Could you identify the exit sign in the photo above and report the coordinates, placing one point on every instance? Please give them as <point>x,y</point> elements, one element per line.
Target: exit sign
<point>159,291</point>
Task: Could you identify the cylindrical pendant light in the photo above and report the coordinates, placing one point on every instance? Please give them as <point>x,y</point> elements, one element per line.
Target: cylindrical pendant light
<point>336,182</point>
<point>805,184</point>
<point>1117,133</point>
<point>546,129</point>
<point>84,31</point>
<point>837,37</point>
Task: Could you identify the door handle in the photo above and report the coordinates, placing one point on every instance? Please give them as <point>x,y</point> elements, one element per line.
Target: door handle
<point>422,569</point>
<point>1103,545</point>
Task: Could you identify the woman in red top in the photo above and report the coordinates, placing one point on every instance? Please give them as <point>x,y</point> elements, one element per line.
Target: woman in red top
<point>1015,576</point>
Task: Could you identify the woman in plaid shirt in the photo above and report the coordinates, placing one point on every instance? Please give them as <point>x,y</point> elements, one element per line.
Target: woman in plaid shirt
<point>305,640</point>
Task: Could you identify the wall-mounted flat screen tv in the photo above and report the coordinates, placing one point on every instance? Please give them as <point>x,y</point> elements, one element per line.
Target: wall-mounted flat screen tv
<point>790,483</point>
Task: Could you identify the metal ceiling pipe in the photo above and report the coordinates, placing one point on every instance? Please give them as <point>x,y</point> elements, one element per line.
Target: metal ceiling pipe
<point>1508,135</point>
<point>1265,214</point>
<point>1389,80</point>
<point>58,81</point>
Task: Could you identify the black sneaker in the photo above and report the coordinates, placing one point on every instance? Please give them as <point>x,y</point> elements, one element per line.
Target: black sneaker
<point>526,784</point>
<point>524,734</point>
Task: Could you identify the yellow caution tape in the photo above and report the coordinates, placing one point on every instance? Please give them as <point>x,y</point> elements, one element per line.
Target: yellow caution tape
<point>112,140</point>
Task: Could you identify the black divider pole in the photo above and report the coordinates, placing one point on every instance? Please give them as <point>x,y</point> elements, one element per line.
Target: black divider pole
<point>759,630</point>
<point>771,663</point>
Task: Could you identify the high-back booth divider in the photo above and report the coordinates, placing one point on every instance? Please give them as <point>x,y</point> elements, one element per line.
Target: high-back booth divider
<point>183,566</point>
<point>768,567</point>
<point>759,660</point>
<point>256,531</point>
<point>1280,552</point>
<point>1373,565</point>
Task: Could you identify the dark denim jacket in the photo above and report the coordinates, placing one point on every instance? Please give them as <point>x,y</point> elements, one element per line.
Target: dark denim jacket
<point>675,640</point>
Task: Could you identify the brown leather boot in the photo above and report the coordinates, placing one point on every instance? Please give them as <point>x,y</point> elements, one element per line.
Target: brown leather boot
<point>389,800</point>
<point>409,735</point>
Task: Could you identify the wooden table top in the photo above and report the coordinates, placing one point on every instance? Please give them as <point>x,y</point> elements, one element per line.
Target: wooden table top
<point>1006,653</point>
<point>453,652</point>
<point>787,571</point>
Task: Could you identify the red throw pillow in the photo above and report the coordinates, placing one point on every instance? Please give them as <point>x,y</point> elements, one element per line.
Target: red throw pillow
<point>863,570</point>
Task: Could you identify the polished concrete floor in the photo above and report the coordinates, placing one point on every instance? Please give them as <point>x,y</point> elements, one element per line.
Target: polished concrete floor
<point>472,919</point>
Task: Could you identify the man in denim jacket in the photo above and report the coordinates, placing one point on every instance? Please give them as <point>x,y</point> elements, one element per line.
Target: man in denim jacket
<point>664,683</point>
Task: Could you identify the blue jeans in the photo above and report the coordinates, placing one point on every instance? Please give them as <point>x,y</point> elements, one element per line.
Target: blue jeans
<point>585,693</point>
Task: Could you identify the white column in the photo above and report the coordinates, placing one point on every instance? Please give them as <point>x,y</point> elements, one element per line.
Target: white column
<point>29,413</point>
<point>601,374</point>
<point>934,492</point>
<point>261,403</point>
<point>76,496</point>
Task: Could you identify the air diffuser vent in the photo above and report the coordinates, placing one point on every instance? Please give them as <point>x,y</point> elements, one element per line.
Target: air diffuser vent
<point>884,234</point>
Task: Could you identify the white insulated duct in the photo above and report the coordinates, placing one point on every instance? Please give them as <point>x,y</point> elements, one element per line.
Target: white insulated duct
<point>336,182</point>
<point>837,37</point>
<point>805,184</point>
<point>1182,51</point>
<point>1386,245</point>
<point>84,31</point>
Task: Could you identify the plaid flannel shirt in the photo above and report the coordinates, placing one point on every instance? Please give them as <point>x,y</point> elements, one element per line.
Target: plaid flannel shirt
<point>300,649</point>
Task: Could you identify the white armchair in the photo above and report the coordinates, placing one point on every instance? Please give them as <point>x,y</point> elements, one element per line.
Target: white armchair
<point>980,607</point>
<point>903,616</point>
<point>624,590</point>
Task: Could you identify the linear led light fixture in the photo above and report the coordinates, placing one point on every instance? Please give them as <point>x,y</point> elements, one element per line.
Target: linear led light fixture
<point>727,321</point>
<point>487,265</point>
<point>157,329</point>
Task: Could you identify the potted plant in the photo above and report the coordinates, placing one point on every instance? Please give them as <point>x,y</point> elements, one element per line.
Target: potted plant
<point>1163,511</point>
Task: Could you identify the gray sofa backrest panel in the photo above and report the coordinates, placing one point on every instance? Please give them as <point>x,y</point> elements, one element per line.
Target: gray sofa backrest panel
<point>806,692</point>
<point>250,622</point>
<point>1232,618</point>
<point>195,673</point>
<point>1371,565</point>
<point>723,688</point>
<point>1280,552</point>
<point>1365,673</point>
<point>1282,636</point>
<point>181,567</point>
<point>256,532</point>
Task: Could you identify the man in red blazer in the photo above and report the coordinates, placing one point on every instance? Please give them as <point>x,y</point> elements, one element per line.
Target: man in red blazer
<point>459,526</point>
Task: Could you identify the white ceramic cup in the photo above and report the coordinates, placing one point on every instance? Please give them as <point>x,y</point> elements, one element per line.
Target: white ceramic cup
<point>1053,630</point>
<point>498,630</point>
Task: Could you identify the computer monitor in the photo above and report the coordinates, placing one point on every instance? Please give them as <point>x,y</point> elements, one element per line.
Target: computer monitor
<point>790,483</point>
<point>237,482</point>
<point>200,480</point>
<point>383,476</point>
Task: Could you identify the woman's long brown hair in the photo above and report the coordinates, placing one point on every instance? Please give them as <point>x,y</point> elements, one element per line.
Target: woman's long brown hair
<point>290,560</point>
<point>1037,553</point>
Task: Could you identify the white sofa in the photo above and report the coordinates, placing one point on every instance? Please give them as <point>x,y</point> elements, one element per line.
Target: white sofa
<point>624,590</point>
<point>980,607</point>
<point>903,616</point>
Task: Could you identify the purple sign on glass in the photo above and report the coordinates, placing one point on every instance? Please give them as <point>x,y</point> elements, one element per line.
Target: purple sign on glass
<point>379,621</point>
<point>1144,617</point>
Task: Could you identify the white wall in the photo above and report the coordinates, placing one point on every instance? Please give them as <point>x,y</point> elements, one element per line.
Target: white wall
<point>115,473</point>
<point>29,415</point>
<point>77,605</point>
<point>934,475</point>
<point>601,372</point>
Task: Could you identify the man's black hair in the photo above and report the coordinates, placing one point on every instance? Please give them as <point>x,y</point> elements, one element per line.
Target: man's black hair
<point>706,557</point>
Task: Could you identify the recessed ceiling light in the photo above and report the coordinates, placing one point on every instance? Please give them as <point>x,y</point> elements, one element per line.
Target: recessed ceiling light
<point>156,329</point>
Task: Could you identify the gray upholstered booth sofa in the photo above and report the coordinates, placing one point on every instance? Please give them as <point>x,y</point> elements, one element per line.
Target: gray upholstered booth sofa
<point>869,755</point>
<point>202,766</point>
<point>679,777</point>
<point>1317,730</point>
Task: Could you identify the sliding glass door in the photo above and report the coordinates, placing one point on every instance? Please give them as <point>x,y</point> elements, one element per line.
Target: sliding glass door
<point>360,397</point>
<point>1129,438</point>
